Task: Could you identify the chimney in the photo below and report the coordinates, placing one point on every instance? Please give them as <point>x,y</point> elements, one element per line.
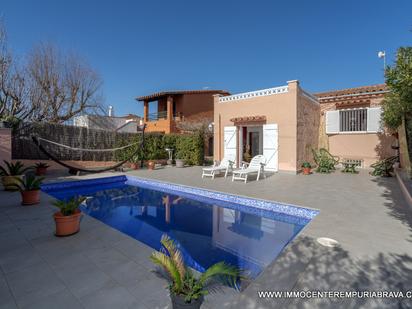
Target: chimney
<point>111,112</point>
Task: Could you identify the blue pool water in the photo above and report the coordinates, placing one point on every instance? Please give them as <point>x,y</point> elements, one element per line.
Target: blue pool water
<point>208,227</point>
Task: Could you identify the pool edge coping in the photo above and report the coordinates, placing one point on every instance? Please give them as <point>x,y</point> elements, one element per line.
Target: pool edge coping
<point>155,182</point>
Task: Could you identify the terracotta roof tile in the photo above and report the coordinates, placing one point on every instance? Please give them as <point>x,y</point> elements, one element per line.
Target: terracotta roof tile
<point>249,119</point>
<point>180,92</point>
<point>365,92</point>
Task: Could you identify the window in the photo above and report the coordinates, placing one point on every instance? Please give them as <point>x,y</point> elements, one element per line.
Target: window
<point>354,120</point>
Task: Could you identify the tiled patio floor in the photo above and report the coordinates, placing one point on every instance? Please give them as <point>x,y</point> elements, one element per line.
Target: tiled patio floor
<point>103,268</point>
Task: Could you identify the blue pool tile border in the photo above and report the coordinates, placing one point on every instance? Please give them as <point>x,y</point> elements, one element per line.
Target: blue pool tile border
<point>281,211</point>
<point>287,209</point>
<point>80,183</point>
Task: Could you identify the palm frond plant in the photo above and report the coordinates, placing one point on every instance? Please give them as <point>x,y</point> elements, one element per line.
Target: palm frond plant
<point>29,183</point>
<point>41,168</point>
<point>186,288</point>
<point>41,165</point>
<point>29,188</point>
<point>69,207</point>
<point>10,172</point>
<point>13,169</point>
<point>68,218</point>
<point>306,166</point>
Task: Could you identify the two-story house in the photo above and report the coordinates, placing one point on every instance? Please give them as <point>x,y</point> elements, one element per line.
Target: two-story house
<point>177,106</point>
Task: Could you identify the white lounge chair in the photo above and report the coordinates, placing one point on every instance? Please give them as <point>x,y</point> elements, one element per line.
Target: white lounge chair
<point>225,165</point>
<point>256,165</point>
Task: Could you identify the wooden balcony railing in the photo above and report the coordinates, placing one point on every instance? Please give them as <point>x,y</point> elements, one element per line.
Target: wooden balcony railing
<point>162,115</point>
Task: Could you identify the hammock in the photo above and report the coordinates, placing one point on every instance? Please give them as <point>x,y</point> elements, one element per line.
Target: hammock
<point>76,169</point>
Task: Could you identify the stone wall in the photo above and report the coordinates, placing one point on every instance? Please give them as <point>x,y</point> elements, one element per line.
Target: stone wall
<point>308,117</point>
<point>5,144</point>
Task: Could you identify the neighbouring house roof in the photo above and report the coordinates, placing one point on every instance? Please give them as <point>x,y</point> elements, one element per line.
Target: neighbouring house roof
<point>129,116</point>
<point>353,96</point>
<point>160,94</point>
<point>130,126</point>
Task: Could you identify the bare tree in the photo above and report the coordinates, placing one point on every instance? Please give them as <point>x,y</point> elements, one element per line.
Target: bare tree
<point>51,86</point>
<point>14,99</point>
<point>61,86</point>
<point>199,123</point>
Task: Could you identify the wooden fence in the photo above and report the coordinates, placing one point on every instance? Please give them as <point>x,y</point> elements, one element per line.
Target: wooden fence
<point>77,137</point>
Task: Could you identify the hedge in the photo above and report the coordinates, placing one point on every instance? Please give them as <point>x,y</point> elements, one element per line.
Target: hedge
<point>189,148</point>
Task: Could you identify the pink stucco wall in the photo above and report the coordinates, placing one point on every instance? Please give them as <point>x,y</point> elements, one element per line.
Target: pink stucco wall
<point>277,108</point>
<point>369,147</point>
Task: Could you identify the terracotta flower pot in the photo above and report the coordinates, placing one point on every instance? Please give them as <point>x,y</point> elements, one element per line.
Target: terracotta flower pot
<point>67,225</point>
<point>10,181</point>
<point>306,170</point>
<point>30,197</point>
<point>178,302</point>
<point>41,171</point>
<point>134,166</point>
<point>151,165</point>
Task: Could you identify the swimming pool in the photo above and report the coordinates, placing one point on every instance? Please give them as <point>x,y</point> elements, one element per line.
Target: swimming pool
<point>207,226</point>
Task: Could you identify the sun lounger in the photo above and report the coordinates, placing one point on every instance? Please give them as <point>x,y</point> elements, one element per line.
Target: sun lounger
<point>225,165</point>
<point>256,166</point>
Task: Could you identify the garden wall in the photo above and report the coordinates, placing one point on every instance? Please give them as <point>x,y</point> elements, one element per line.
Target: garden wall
<point>78,137</point>
<point>188,147</point>
<point>5,144</point>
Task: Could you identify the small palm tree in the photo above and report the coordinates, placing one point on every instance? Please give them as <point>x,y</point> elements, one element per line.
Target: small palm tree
<point>68,208</point>
<point>183,283</point>
<point>29,183</point>
<point>41,165</point>
<point>13,169</point>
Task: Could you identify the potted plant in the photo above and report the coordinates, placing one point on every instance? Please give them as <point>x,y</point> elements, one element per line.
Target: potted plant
<point>41,168</point>
<point>306,167</point>
<point>68,218</point>
<point>180,163</point>
<point>186,289</point>
<point>134,162</point>
<point>29,188</point>
<point>11,173</point>
<point>151,165</point>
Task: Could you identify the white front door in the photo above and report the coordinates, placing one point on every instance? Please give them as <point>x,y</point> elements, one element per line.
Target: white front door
<point>271,146</point>
<point>229,137</point>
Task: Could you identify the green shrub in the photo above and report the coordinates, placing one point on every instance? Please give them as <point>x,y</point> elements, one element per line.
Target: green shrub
<point>186,147</point>
<point>190,148</point>
<point>124,154</point>
<point>154,147</point>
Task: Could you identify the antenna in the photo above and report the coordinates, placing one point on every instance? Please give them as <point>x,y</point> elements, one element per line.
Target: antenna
<point>382,55</point>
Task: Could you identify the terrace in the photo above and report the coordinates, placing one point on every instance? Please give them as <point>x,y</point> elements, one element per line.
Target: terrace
<point>171,107</point>
<point>101,267</point>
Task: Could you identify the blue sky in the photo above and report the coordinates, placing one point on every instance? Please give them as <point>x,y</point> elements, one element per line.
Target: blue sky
<point>140,47</point>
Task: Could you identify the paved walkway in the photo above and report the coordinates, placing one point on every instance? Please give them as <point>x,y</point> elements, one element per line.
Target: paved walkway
<point>103,268</point>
